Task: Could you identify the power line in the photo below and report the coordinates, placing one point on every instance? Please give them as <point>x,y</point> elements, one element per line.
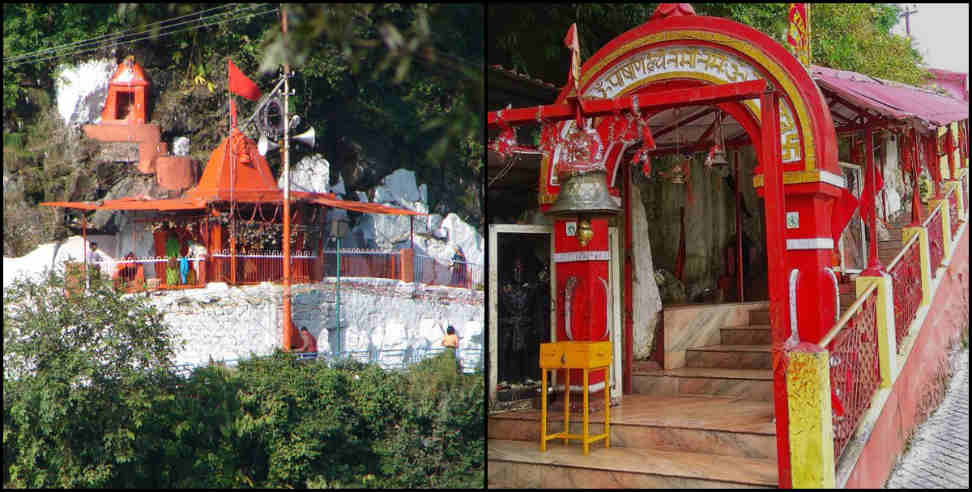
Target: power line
<point>147,37</point>
<point>107,37</point>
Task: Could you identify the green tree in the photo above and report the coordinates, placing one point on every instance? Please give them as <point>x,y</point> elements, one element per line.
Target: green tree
<point>847,36</point>
<point>81,371</point>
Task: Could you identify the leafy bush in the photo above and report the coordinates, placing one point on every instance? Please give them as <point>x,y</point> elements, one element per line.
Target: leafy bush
<point>96,405</point>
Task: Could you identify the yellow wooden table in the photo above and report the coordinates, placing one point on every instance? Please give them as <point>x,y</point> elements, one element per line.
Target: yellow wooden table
<point>587,356</point>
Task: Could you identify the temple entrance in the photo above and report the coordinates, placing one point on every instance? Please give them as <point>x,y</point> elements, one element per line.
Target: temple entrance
<point>520,308</point>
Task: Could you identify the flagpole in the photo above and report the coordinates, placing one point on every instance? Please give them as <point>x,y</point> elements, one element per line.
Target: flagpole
<point>287,332</point>
<point>809,38</point>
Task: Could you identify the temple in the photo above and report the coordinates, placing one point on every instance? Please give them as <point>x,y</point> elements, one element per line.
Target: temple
<point>222,226</point>
<point>774,252</point>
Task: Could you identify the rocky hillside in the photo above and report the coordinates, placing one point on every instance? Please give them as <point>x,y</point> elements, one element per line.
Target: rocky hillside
<point>370,120</point>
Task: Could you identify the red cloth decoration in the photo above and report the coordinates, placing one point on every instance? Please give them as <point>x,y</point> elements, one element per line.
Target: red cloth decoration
<point>873,182</point>
<point>240,85</point>
<point>843,211</point>
<point>573,44</point>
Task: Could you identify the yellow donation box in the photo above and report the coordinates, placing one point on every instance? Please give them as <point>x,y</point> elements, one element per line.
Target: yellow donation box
<point>586,356</point>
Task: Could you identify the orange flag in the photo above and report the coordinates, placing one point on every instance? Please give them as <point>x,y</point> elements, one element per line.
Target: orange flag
<point>240,85</point>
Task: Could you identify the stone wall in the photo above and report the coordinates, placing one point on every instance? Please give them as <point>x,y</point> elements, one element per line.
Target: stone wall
<point>222,322</point>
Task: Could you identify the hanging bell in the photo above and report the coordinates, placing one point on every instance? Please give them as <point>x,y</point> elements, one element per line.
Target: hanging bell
<point>717,157</point>
<point>585,193</point>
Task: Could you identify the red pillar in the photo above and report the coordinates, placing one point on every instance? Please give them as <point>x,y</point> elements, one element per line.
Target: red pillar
<point>775,251</point>
<point>874,266</point>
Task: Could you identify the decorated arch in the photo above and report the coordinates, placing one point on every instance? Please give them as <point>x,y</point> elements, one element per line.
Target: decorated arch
<point>691,50</point>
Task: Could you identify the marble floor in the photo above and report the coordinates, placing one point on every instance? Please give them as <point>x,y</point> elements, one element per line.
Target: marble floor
<point>522,464</point>
<point>683,411</point>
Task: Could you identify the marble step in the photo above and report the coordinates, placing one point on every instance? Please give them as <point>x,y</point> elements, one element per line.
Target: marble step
<point>751,384</point>
<point>759,317</point>
<point>698,424</point>
<point>521,464</point>
<point>729,356</point>
<point>745,335</point>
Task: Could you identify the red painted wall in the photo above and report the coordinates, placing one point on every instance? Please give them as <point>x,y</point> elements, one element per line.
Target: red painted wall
<point>943,323</point>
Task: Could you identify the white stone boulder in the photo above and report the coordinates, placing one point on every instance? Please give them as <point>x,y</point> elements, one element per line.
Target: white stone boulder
<point>180,146</point>
<point>82,89</point>
<point>312,174</point>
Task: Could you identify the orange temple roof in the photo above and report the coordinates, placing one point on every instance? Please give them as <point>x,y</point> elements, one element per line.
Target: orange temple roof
<point>241,175</point>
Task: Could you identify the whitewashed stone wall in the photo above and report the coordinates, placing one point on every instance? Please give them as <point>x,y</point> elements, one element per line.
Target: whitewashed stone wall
<point>222,323</point>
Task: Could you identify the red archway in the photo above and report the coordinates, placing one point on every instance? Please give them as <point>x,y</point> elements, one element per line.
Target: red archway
<point>797,156</point>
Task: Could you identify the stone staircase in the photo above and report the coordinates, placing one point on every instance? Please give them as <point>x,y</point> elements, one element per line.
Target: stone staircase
<point>708,424</point>
<point>887,250</point>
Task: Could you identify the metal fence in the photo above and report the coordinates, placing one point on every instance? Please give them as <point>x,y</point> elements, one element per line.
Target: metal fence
<point>456,274</point>
<point>905,271</point>
<point>261,266</point>
<point>854,366</point>
<point>134,274</point>
<point>470,359</point>
<point>364,263</point>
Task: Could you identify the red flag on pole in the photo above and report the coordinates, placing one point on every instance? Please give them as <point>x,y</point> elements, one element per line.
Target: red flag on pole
<point>573,44</point>
<point>240,85</point>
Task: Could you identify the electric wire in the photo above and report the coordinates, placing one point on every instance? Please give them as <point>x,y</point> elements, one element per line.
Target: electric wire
<point>160,35</point>
<point>39,55</point>
<point>111,36</point>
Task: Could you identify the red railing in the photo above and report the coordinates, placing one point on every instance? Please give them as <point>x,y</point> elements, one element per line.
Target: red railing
<point>953,217</point>
<point>936,246</point>
<point>136,274</point>
<point>905,271</point>
<point>364,263</point>
<point>855,371</point>
<point>253,268</point>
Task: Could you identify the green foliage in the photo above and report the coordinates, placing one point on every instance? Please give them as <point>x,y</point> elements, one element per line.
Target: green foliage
<point>847,36</point>
<point>93,405</point>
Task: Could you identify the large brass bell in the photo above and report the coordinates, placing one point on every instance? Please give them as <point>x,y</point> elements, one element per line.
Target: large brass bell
<point>586,194</point>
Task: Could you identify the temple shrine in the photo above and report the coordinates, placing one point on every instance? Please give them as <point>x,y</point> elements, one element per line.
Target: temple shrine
<point>222,226</point>
<point>698,152</point>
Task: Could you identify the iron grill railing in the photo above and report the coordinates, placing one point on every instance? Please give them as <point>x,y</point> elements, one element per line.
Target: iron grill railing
<point>457,274</point>
<point>364,263</point>
<point>855,372</point>
<point>135,274</point>
<point>905,271</point>
<point>261,266</point>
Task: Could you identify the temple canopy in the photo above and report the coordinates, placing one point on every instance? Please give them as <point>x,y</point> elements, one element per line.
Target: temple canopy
<point>889,99</point>
<point>242,175</point>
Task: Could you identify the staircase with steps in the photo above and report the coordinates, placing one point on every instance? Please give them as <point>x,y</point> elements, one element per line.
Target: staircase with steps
<point>887,250</point>
<point>708,424</point>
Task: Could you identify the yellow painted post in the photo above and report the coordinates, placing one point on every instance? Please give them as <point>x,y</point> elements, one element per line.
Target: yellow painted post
<point>887,345</point>
<point>925,258</point>
<point>587,410</point>
<point>956,187</point>
<point>811,425</point>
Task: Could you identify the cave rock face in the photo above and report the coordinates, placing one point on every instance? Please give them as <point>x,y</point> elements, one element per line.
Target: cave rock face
<point>312,174</point>
<point>82,90</point>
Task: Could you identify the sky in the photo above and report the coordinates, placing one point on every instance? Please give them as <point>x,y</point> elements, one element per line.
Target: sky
<point>942,34</point>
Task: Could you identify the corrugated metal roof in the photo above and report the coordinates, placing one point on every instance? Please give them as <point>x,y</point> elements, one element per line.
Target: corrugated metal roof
<point>891,99</point>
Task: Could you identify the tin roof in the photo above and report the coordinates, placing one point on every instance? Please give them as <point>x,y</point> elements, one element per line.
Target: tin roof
<point>890,99</point>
